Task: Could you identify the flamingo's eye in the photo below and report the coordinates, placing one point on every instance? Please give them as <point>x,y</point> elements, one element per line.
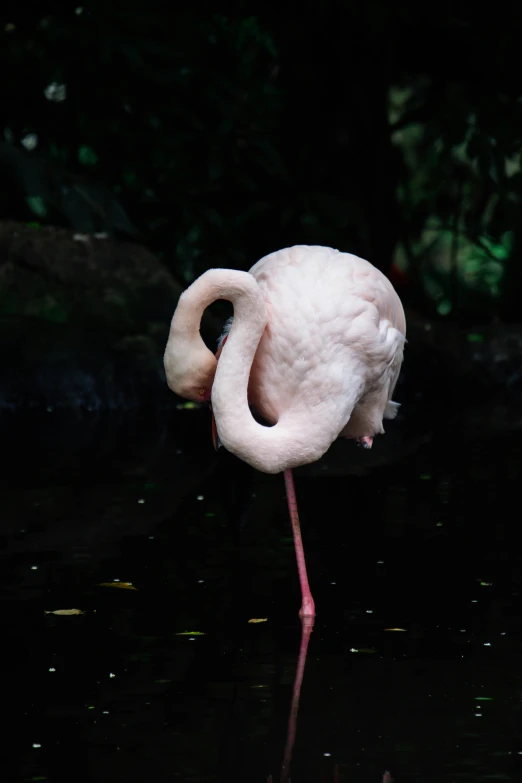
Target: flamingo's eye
<point>201,392</point>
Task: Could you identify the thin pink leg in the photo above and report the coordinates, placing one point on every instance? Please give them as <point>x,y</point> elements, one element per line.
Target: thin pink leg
<point>308,606</point>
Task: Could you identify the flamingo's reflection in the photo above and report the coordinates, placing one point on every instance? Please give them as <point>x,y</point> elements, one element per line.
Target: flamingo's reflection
<point>307,624</point>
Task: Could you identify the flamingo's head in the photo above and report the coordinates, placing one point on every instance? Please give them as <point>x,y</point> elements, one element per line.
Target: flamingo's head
<point>190,368</point>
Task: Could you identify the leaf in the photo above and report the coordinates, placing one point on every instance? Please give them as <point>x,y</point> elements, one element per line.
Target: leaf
<point>190,633</point>
<point>120,585</point>
<point>395,629</point>
<point>65,612</point>
<point>37,205</point>
<point>87,156</point>
<point>444,307</point>
<point>188,406</point>
<point>258,620</point>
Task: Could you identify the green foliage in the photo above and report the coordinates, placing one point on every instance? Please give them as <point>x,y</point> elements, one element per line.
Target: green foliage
<point>217,137</point>
<point>172,115</point>
<point>459,192</point>
<point>87,156</point>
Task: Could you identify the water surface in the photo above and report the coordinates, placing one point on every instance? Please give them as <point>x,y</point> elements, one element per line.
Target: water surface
<point>415,661</point>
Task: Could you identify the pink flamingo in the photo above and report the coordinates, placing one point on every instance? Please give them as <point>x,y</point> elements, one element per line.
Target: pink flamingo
<point>315,346</point>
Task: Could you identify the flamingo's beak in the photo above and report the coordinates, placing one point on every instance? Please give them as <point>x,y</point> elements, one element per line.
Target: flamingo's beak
<point>215,437</point>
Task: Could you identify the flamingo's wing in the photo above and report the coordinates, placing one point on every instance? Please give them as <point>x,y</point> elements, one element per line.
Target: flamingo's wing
<point>222,338</point>
<point>381,293</point>
<point>392,374</point>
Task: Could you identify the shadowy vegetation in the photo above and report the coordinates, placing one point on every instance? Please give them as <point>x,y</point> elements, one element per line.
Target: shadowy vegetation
<point>394,132</point>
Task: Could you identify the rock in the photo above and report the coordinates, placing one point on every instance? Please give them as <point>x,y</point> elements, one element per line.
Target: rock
<point>83,320</point>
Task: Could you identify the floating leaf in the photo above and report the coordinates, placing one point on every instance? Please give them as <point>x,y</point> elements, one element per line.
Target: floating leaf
<point>143,657</point>
<point>475,338</point>
<point>395,629</point>
<point>121,585</point>
<point>65,611</point>
<point>190,633</point>
<point>188,406</point>
<point>425,476</point>
<point>258,620</point>
<point>367,650</point>
<point>483,698</point>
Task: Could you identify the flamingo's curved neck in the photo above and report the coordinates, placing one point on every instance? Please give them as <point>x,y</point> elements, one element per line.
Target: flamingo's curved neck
<point>300,436</point>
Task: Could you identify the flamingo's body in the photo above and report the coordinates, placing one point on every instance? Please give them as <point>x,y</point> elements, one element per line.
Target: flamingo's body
<point>315,346</point>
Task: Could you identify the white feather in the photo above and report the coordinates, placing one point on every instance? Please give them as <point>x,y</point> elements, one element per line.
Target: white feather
<point>226,330</point>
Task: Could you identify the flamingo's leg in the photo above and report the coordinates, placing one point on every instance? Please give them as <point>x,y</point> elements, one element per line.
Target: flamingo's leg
<point>308,606</point>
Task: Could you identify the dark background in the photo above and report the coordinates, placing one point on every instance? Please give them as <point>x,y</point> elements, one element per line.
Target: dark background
<point>140,145</point>
<point>391,131</point>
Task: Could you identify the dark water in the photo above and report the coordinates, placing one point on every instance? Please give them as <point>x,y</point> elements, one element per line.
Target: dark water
<point>424,539</point>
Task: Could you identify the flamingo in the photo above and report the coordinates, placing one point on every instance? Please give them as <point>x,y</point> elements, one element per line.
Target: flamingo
<point>315,346</point>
